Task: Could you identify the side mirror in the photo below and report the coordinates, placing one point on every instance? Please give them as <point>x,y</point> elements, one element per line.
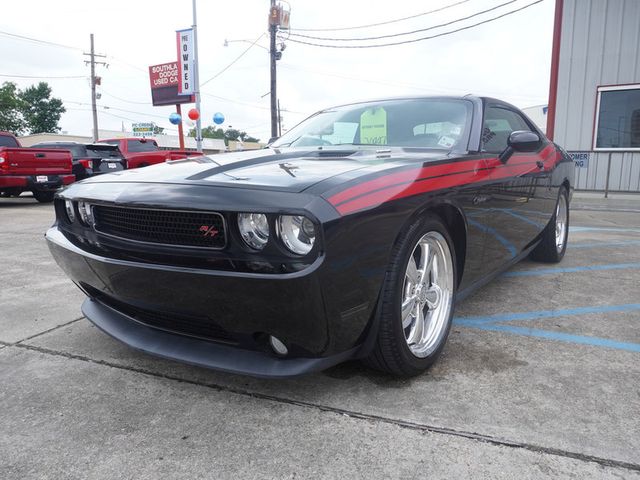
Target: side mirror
<point>520,141</point>
<point>524,141</point>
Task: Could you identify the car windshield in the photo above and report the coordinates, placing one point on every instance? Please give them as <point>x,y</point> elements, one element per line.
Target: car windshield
<point>103,151</point>
<point>423,123</point>
<point>142,146</point>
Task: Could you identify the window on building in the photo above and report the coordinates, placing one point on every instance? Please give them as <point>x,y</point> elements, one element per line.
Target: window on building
<point>618,118</point>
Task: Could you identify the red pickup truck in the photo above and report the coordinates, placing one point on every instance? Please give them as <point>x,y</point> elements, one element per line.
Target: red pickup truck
<point>39,170</point>
<point>141,152</point>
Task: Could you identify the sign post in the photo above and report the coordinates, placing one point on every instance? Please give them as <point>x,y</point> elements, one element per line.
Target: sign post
<point>180,132</point>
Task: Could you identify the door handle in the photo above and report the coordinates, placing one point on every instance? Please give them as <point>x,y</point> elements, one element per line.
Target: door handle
<point>40,155</point>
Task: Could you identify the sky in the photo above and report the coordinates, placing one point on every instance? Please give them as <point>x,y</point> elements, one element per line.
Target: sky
<point>508,58</point>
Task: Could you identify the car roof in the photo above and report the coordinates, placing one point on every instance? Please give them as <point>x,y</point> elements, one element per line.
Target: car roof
<point>75,144</point>
<point>469,96</point>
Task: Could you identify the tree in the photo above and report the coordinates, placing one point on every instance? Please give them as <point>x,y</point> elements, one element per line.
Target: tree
<point>40,111</point>
<point>10,112</point>
<point>228,134</point>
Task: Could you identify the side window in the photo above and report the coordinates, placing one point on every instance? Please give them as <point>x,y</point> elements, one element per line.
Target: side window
<point>497,126</point>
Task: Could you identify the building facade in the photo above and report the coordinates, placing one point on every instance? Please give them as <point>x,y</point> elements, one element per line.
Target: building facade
<point>594,107</point>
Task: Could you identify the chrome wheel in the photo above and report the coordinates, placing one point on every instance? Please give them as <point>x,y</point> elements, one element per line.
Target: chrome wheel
<point>561,222</point>
<point>427,294</point>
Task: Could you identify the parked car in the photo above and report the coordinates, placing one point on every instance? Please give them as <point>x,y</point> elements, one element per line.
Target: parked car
<point>90,158</point>
<point>41,171</point>
<point>352,236</point>
<point>142,152</point>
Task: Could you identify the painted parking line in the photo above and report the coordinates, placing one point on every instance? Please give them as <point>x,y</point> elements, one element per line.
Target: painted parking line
<point>622,243</point>
<point>564,337</point>
<point>587,268</point>
<point>603,229</point>
<point>514,317</point>
<point>493,323</point>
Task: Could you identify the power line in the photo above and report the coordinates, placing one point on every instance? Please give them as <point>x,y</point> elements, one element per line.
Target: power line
<point>396,84</point>
<point>123,99</point>
<point>234,61</point>
<point>252,105</point>
<point>36,40</point>
<point>380,23</point>
<point>417,39</point>
<point>41,77</point>
<point>361,39</point>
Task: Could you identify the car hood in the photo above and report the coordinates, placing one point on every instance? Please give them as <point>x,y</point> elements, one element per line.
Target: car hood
<point>290,170</point>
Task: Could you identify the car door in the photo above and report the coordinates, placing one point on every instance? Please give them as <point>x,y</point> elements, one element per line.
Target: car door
<point>517,188</point>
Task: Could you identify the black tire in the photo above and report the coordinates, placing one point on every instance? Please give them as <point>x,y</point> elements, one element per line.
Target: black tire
<point>391,353</point>
<point>44,197</point>
<point>547,250</point>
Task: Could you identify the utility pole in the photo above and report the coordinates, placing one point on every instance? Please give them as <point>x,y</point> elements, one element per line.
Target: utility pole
<point>274,20</point>
<point>196,79</point>
<point>94,81</point>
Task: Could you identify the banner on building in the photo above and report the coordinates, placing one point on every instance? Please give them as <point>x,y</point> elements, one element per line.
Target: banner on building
<point>164,80</point>
<point>186,63</point>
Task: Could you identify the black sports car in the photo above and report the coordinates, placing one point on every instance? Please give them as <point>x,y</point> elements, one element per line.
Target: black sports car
<point>352,236</point>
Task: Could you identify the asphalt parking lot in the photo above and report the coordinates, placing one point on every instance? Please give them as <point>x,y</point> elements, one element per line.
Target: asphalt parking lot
<point>540,378</point>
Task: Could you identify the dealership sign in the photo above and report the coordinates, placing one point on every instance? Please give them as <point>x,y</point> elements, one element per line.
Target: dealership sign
<point>164,80</point>
<point>143,129</point>
<point>186,64</point>
<point>581,159</point>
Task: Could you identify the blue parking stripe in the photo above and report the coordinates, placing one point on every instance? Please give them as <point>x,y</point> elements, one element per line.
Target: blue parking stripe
<point>604,244</point>
<point>587,268</point>
<point>564,337</point>
<point>511,317</point>
<point>603,229</point>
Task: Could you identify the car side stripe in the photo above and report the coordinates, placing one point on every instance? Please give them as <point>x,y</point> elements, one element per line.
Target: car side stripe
<point>430,178</point>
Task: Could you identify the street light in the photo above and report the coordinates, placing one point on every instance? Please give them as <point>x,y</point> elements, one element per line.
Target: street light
<point>227,42</point>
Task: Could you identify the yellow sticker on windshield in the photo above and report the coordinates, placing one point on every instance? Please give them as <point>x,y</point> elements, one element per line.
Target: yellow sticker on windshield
<point>373,127</point>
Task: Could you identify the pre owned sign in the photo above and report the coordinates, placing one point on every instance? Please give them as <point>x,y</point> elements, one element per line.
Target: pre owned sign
<point>185,61</point>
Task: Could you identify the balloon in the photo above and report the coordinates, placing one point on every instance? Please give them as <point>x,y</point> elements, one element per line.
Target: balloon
<point>189,123</point>
<point>194,114</point>
<point>175,118</point>
<point>218,118</point>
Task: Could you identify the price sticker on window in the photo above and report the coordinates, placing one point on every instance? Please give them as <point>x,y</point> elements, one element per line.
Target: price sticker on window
<point>373,127</point>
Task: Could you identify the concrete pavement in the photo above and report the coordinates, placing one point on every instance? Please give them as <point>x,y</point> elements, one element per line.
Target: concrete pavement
<point>541,378</point>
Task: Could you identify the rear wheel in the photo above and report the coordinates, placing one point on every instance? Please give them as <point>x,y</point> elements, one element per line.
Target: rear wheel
<point>417,300</point>
<point>553,244</point>
<point>43,197</point>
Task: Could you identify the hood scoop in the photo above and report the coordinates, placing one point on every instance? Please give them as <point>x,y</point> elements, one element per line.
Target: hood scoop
<point>331,153</point>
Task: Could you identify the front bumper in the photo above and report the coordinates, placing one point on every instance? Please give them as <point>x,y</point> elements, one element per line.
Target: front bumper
<point>199,352</point>
<point>248,306</point>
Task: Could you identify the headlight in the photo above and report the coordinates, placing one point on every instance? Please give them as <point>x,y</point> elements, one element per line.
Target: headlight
<point>254,229</point>
<point>297,233</point>
<point>86,214</point>
<point>71,213</point>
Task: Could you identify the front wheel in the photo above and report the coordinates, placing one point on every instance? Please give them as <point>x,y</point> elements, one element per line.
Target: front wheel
<point>553,243</point>
<point>43,197</point>
<point>417,299</point>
